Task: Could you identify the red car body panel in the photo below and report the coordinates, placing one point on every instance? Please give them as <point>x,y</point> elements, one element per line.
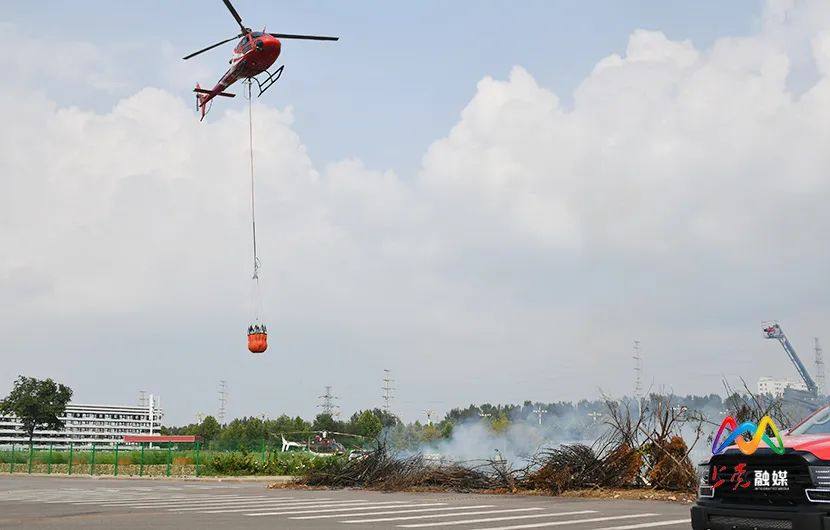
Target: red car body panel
<point>817,444</point>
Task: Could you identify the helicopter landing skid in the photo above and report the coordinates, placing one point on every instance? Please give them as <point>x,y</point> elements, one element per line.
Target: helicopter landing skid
<point>269,80</point>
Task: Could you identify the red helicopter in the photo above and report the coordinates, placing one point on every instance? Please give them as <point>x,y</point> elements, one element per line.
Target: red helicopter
<point>253,55</point>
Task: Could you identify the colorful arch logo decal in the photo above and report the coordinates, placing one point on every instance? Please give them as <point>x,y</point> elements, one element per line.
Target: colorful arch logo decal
<point>758,433</point>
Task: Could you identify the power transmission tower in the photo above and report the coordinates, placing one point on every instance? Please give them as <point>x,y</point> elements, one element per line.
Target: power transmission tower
<point>638,371</point>
<point>388,391</point>
<point>223,400</point>
<point>539,411</point>
<point>327,403</point>
<point>819,367</point>
<point>429,413</point>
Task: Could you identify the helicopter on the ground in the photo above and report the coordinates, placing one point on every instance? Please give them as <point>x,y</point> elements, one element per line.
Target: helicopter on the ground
<point>254,54</point>
<point>320,443</point>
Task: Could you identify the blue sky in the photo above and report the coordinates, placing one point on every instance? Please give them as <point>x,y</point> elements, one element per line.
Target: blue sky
<point>491,199</point>
<point>402,71</point>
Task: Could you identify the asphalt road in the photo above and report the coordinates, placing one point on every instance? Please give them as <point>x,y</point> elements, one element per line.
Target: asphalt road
<point>52,502</point>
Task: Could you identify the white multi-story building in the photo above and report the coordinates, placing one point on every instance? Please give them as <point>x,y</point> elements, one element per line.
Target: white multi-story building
<point>776,387</point>
<point>89,424</point>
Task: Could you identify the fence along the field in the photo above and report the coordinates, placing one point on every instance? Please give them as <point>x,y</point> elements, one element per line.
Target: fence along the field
<point>119,459</point>
<point>175,459</point>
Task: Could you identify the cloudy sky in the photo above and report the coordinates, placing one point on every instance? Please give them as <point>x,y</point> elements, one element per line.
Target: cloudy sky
<point>491,199</point>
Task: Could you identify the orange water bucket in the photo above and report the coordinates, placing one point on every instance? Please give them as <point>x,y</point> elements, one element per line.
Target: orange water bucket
<point>257,342</point>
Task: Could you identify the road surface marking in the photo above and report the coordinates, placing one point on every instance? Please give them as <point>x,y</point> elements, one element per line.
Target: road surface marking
<point>534,516</point>
<point>140,503</point>
<point>435,515</point>
<point>157,501</point>
<point>329,516</point>
<point>571,521</point>
<point>687,521</point>
<point>164,503</point>
<point>248,506</point>
<point>349,509</point>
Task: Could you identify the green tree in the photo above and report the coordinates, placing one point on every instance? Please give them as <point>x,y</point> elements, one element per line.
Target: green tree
<point>500,423</point>
<point>286,424</point>
<point>366,423</point>
<point>324,422</point>
<point>37,403</point>
<point>430,433</point>
<point>243,433</point>
<point>209,428</point>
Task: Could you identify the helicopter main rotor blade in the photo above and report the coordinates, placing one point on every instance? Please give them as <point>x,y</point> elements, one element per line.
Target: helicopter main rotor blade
<point>235,15</point>
<point>301,37</point>
<point>212,46</point>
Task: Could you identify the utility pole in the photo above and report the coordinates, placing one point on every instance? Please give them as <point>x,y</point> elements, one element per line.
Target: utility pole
<point>539,411</point>
<point>819,367</point>
<point>327,404</point>
<point>223,401</point>
<point>638,371</point>
<point>388,391</point>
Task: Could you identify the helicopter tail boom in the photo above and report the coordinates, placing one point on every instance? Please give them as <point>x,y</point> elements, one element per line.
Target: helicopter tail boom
<point>204,96</point>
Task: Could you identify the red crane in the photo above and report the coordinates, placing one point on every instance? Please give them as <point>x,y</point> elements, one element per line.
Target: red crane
<point>255,52</point>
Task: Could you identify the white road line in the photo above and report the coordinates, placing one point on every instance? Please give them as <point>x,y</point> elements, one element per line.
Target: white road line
<point>572,521</point>
<point>533,516</point>
<point>142,503</point>
<point>61,493</point>
<point>435,515</point>
<point>299,505</point>
<point>329,516</point>
<point>166,501</point>
<point>131,498</point>
<point>87,499</point>
<point>135,495</point>
<point>362,507</point>
<point>248,506</point>
<point>159,499</point>
<point>687,521</point>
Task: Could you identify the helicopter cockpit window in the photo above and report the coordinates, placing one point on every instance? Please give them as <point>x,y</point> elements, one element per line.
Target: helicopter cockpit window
<point>256,34</point>
<point>244,44</point>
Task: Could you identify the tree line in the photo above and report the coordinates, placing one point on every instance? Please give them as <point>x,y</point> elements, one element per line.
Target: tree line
<point>41,403</point>
<point>573,420</point>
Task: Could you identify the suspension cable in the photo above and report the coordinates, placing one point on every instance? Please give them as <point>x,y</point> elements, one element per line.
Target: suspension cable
<point>253,207</point>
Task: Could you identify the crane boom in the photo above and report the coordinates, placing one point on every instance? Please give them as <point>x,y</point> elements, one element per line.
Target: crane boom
<point>774,331</point>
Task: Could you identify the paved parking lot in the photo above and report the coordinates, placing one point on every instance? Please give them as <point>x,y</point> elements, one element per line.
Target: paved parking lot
<point>50,502</point>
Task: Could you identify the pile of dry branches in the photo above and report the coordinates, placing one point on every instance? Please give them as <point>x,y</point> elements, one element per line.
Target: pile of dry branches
<point>642,448</point>
<point>650,430</point>
<point>382,470</point>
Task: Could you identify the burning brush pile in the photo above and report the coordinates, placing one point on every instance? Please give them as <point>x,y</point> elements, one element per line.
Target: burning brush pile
<point>638,450</point>
<point>382,470</point>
